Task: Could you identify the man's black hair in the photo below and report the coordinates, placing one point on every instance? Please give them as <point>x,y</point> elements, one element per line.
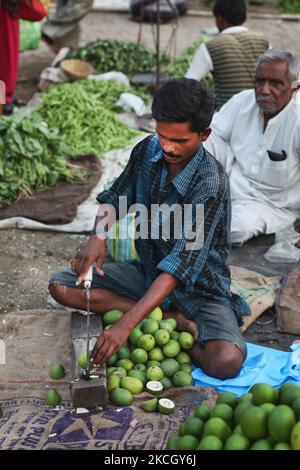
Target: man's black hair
<point>234,11</point>
<point>184,100</point>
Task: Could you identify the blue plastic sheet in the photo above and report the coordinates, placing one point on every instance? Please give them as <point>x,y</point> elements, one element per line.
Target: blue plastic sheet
<point>262,365</point>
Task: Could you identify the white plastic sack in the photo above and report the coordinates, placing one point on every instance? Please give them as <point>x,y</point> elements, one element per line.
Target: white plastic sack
<point>129,102</point>
<point>287,234</point>
<point>112,75</point>
<point>285,249</point>
<point>283,252</point>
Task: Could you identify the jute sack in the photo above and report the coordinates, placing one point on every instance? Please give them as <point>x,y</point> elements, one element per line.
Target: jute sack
<point>257,290</point>
<point>287,303</point>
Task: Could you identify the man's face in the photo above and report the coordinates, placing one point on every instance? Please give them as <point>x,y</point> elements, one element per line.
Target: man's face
<point>178,142</point>
<point>273,87</point>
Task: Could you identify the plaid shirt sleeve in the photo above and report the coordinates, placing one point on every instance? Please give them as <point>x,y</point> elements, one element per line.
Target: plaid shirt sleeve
<point>125,184</point>
<point>187,264</point>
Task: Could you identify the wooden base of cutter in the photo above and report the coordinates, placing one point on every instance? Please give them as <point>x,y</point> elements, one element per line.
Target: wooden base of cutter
<point>93,392</point>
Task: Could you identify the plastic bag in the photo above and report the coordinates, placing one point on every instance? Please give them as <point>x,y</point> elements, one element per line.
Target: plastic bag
<point>286,248</point>
<point>112,75</point>
<point>121,242</point>
<point>30,35</point>
<point>283,252</point>
<point>129,101</point>
<point>287,234</point>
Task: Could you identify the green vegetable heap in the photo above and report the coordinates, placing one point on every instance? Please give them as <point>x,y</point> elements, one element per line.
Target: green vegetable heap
<point>75,118</point>
<point>124,56</point>
<point>130,58</point>
<point>32,156</point>
<point>82,111</point>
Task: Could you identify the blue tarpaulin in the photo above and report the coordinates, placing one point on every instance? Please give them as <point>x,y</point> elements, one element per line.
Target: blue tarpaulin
<point>261,365</point>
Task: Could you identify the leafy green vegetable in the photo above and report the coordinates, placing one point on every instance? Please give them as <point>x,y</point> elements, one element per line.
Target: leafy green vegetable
<point>75,118</point>
<point>32,156</point>
<point>124,56</point>
<point>130,58</point>
<point>289,6</point>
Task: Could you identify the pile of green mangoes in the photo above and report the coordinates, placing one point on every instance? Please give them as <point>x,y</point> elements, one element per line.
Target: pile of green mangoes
<point>265,418</point>
<point>154,358</point>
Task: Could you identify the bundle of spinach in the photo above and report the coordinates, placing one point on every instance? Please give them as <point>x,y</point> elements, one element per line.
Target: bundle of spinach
<point>32,156</point>
<point>130,58</point>
<point>82,111</point>
<point>180,64</point>
<point>124,56</point>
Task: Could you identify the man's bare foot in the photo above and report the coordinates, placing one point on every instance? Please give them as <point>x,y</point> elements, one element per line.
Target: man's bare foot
<point>183,324</point>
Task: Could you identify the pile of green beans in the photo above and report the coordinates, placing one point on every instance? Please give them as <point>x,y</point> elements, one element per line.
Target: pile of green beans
<point>82,111</point>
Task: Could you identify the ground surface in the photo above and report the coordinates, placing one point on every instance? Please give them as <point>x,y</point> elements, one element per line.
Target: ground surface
<point>27,258</point>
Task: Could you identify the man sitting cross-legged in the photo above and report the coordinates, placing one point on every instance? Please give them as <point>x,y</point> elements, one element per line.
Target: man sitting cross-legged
<point>185,273</point>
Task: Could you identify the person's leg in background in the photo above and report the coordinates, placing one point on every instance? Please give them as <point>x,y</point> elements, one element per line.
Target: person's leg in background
<point>251,218</point>
<point>9,55</point>
<point>247,221</point>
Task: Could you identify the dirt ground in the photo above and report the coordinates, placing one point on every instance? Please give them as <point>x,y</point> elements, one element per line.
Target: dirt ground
<point>28,258</point>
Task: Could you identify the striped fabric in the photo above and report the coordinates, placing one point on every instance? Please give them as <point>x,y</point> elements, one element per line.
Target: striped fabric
<point>203,272</point>
<point>234,57</point>
<point>121,246</point>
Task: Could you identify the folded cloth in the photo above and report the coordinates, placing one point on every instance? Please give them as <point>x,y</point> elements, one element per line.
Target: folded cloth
<point>263,365</point>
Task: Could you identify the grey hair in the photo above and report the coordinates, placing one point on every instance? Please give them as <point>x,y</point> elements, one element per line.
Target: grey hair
<point>275,55</point>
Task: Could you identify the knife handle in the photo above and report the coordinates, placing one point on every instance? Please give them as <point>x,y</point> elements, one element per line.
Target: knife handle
<point>88,278</point>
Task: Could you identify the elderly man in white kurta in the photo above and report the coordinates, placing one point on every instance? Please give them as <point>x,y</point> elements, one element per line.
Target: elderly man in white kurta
<point>256,135</point>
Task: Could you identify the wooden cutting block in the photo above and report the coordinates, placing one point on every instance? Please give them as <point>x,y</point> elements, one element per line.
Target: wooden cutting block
<point>93,392</point>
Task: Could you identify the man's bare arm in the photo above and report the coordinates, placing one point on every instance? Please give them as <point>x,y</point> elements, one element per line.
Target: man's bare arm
<point>111,340</point>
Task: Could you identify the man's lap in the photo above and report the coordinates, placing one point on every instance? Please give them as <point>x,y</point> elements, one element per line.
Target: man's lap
<point>124,278</point>
<point>214,320</point>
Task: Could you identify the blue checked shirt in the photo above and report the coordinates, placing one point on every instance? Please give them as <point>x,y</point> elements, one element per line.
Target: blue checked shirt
<point>203,272</point>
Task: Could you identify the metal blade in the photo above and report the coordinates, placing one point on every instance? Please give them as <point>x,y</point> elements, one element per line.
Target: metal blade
<point>87,287</point>
<point>87,370</point>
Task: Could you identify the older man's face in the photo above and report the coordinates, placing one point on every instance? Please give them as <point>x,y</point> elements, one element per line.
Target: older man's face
<point>273,87</point>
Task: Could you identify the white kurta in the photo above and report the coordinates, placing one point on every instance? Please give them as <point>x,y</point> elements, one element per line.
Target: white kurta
<point>265,194</point>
